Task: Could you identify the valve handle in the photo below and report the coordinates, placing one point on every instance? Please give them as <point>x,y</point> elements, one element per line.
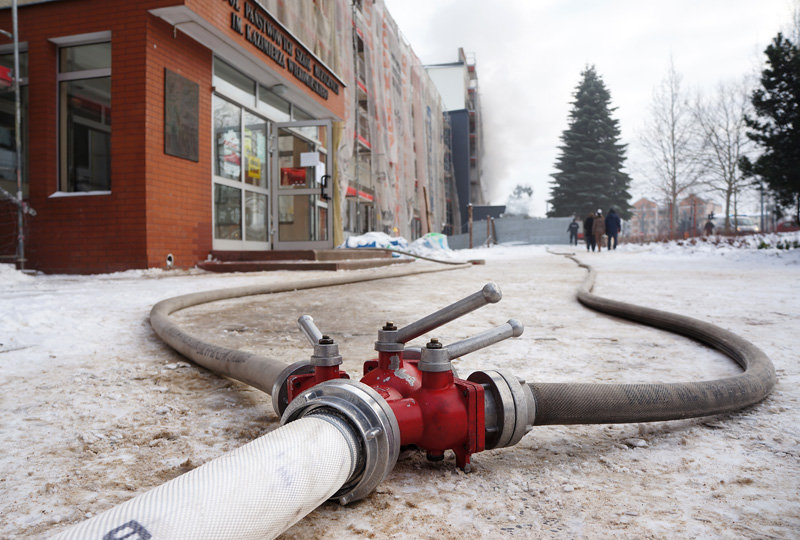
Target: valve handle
<point>434,357</point>
<point>489,294</point>
<point>326,351</point>
<point>512,328</point>
<point>309,329</point>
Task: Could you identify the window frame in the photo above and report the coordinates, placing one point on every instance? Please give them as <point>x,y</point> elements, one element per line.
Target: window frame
<point>62,185</point>
<point>241,184</point>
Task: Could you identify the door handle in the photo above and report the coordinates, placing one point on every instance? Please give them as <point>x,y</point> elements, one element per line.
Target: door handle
<point>323,183</point>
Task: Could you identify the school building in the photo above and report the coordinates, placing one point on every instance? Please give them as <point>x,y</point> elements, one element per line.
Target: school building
<point>215,129</point>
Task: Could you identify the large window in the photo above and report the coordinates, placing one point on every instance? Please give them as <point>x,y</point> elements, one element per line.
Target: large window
<point>84,96</point>
<point>241,190</point>
<point>8,146</point>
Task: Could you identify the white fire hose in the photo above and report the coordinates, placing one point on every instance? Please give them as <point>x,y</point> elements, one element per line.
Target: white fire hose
<point>256,491</point>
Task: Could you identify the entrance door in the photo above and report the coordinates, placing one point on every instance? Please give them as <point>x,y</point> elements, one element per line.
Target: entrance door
<point>302,190</point>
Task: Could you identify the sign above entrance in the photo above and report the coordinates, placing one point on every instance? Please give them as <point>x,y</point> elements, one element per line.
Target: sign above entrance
<point>267,35</point>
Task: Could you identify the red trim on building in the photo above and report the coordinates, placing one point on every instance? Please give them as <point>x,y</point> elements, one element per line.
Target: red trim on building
<point>352,192</point>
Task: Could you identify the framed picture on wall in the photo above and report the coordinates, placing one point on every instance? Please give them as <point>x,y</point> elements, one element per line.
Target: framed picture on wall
<point>181,116</point>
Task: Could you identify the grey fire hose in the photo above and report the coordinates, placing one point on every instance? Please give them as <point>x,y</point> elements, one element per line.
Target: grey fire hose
<point>262,488</point>
<point>570,403</point>
<point>258,371</point>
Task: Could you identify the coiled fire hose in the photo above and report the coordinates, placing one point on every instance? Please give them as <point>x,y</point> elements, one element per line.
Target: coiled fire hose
<point>262,488</point>
<point>571,403</point>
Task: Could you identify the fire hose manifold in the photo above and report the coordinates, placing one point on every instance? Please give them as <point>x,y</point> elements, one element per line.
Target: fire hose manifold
<point>407,396</point>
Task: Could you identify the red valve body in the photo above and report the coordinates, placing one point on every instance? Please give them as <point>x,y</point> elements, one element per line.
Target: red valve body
<point>434,410</point>
<point>297,384</point>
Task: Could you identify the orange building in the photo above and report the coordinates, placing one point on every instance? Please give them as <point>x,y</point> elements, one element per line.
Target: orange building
<point>197,128</point>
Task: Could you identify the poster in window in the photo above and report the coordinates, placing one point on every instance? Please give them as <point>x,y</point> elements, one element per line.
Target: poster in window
<point>181,97</point>
<point>229,154</point>
<point>293,176</point>
<point>286,209</point>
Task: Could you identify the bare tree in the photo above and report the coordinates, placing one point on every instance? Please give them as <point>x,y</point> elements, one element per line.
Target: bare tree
<point>720,120</point>
<point>670,139</point>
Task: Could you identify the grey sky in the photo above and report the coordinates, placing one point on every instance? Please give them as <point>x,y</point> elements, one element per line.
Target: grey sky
<point>530,54</point>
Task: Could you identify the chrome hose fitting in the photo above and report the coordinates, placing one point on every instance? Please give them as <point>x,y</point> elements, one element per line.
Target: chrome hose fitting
<point>509,409</point>
<point>372,420</point>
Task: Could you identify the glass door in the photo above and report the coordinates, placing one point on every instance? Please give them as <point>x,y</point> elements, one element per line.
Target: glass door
<point>303,190</point>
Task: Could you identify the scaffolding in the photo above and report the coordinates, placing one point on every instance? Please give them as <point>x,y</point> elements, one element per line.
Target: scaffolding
<point>390,170</point>
<point>17,201</point>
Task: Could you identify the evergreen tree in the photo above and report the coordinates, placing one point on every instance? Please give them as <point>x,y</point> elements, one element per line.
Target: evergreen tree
<point>777,126</point>
<point>590,164</point>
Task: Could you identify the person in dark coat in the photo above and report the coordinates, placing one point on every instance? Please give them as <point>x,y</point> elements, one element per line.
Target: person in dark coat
<point>588,235</point>
<point>599,229</point>
<point>708,229</point>
<point>573,232</point>
<point>613,226</point>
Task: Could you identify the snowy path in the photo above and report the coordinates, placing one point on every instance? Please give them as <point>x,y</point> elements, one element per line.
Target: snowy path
<point>95,409</point>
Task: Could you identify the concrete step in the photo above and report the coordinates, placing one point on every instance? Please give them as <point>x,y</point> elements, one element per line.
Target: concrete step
<point>301,255</point>
<point>268,265</point>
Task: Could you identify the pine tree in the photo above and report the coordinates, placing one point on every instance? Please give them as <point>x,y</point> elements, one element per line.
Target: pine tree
<point>777,126</point>
<point>590,164</point>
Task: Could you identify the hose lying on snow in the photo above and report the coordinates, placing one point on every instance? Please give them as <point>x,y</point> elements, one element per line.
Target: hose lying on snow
<point>264,487</point>
<point>569,403</point>
<point>258,371</point>
<point>256,491</point>
<point>425,258</point>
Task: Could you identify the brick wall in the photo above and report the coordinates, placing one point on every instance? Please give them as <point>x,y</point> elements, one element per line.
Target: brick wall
<point>178,190</point>
<point>158,204</point>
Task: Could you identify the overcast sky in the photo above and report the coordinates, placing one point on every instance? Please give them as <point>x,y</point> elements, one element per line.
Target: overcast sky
<point>530,54</point>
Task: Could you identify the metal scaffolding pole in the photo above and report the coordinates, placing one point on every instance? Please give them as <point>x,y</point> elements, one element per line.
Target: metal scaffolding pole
<point>18,143</point>
<point>22,207</point>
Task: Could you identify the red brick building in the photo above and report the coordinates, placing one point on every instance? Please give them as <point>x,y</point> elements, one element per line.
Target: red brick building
<point>158,127</point>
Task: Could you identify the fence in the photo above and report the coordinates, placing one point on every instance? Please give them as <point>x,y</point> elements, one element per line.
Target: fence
<point>516,229</point>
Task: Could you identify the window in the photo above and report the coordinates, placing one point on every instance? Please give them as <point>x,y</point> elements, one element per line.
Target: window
<point>241,164</point>
<point>84,97</point>
<point>233,82</point>
<point>8,145</point>
<point>275,106</point>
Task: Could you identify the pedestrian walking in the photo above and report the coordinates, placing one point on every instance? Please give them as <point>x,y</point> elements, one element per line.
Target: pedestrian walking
<point>588,235</point>
<point>599,229</point>
<point>708,229</point>
<point>613,226</point>
<point>573,232</point>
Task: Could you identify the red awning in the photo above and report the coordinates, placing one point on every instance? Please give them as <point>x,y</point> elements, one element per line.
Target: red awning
<point>352,192</point>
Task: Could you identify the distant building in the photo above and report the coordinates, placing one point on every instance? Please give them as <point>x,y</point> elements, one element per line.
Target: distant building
<point>458,85</point>
<point>483,212</point>
<point>651,220</point>
<point>645,221</point>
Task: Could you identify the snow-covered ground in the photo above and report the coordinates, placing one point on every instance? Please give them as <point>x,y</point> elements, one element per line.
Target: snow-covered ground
<point>94,408</point>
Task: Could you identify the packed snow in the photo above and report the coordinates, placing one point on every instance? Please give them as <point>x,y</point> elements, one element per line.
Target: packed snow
<point>95,408</point>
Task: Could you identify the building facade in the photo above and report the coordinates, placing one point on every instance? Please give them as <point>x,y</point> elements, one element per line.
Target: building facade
<point>196,128</point>
<point>458,84</point>
<point>652,221</point>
